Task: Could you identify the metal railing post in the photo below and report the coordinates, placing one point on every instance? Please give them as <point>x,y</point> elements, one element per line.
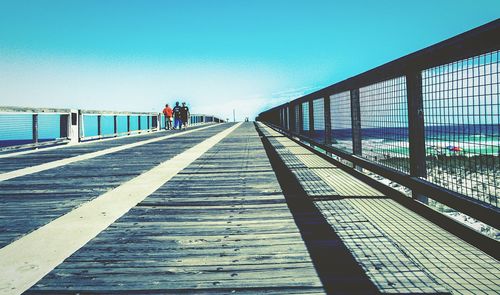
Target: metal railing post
<point>356,123</point>
<point>128,124</point>
<point>292,117</point>
<point>80,125</point>
<point>99,126</point>
<point>311,118</point>
<point>139,124</point>
<point>285,118</point>
<point>115,125</point>
<point>301,119</point>
<point>35,128</point>
<point>416,131</point>
<point>328,121</point>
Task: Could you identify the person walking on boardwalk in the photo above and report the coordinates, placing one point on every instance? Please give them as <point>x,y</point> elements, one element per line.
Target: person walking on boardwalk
<point>167,111</point>
<point>177,116</point>
<point>184,115</point>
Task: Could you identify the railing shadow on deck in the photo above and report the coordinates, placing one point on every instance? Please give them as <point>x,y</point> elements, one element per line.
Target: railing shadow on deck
<point>335,265</point>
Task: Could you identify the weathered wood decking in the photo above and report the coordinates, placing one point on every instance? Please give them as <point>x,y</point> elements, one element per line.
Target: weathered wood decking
<point>30,201</point>
<point>399,250</point>
<point>223,224</point>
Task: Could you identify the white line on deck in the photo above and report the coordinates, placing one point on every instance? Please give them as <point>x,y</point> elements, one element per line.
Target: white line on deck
<point>62,162</point>
<point>25,261</point>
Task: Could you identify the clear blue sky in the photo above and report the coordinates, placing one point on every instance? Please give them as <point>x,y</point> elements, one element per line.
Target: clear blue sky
<point>217,54</point>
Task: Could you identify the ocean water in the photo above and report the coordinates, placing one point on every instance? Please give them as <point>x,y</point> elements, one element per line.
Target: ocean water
<point>472,139</point>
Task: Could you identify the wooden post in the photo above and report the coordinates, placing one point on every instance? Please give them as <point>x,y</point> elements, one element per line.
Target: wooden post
<point>311,118</point>
<point>128,124</point>
<point>416,131</point>
<point>356,122</point>
<point>301,119</point>
<point>99,126</point>
<point>35,128</point>
<point>356,125</point>
<point>80,125</point>
<point>291,117</point>
<point>115,125</point>
<point>328,121</point>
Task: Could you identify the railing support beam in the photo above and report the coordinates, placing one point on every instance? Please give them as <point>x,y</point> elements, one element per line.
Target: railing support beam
<point>128,124</point>
<point>291,107</point>
<point>99,126</point>
<point>115,126</point>
<point>356,122</point>
<point>311,118</point>
<point>35,128</point>
<point>80,125</point>
<point>416,131</point>
<point>328,121</point>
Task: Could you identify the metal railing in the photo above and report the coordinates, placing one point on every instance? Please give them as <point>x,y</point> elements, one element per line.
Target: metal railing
<point>429,121</point>
<point>25,128</point>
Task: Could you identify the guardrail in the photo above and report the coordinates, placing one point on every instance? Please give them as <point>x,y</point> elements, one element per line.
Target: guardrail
<point>429,121</point>
<point>25,128</point>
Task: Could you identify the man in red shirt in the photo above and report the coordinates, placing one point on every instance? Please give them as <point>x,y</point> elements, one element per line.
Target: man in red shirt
<point>167,111</point>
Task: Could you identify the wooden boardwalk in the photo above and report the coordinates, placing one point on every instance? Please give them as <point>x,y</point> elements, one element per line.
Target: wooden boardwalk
<point>214,211</point>
<point>220,225</point>
<point>399,250</point>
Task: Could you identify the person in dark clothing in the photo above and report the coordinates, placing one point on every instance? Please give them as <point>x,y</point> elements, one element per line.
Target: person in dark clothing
<point>184,115</point>
<point>177,116</point>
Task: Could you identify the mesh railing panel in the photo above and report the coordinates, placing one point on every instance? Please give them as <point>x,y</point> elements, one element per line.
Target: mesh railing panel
<point>305,116</point>
<point>16,129</point>
<point>319,120</point>
<point>162,121</point>
<point>384,123</point>
<point>341,122</point>
<point>297,118</point>
<point>462,126</point>
<point>134,123</point>
<point>89,127</point>
<point>121,122</point>
<point>144,122</point>
<point>107,125</point>
<point>49,127</point>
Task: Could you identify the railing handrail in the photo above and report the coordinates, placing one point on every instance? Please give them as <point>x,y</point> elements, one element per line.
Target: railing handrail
<point>13,109</point>
<point>72,125</point>
<point>409,71</point>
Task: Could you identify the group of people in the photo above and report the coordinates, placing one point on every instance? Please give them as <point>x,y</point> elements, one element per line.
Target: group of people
<point>179,115</point>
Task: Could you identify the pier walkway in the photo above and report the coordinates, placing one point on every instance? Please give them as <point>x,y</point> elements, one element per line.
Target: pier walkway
<point>217,209</point>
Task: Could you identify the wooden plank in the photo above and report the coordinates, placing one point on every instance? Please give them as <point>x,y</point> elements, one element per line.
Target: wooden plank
<point>399,250</point>
<point>227,228</point>
<point>32,201</point>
